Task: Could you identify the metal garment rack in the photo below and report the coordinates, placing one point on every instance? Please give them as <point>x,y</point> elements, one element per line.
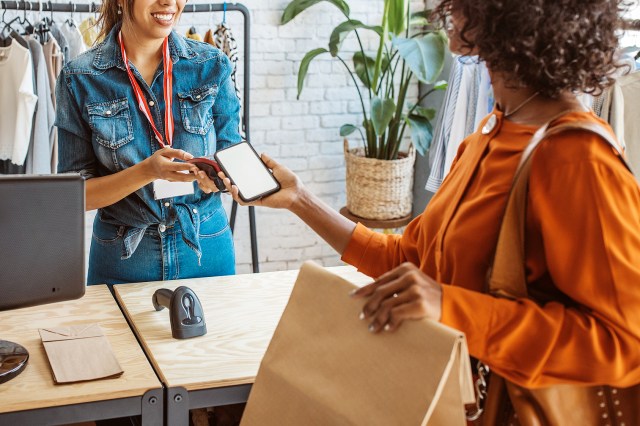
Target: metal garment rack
<point>30,6</point>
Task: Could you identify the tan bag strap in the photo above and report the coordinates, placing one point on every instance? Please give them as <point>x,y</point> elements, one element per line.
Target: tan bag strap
<point>507,274</point>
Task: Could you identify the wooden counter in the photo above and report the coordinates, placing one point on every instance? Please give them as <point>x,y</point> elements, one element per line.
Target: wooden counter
<point>241,314</point>
<point>34,388</point>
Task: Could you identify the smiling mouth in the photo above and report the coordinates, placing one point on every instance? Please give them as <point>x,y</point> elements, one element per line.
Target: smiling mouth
<point>164,17</point>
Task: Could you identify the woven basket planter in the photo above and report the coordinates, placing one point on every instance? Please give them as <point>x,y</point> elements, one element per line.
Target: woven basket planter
<point>379,189</point>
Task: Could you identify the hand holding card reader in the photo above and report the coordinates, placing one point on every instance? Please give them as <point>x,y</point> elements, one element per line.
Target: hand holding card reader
<point>246,170</point>
<point>185,311</point>
<point>211,168</point>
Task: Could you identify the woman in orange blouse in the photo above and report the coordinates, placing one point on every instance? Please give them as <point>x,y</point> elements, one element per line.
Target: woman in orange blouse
<point>582,220</point>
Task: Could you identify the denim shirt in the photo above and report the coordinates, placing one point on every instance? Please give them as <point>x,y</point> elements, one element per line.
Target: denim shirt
<point>101,131</point>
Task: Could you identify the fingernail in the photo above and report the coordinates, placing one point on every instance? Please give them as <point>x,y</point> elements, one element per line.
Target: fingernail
<point>361,315</point>
<point>372,328</point>
<point>187,156</point>
<point>353,292</point>
<point>387,327</point>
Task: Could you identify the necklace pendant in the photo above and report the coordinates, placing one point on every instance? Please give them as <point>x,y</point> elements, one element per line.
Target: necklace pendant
<point>490,124</point>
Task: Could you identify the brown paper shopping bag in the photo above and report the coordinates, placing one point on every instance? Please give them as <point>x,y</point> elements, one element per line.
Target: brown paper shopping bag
<point>323,367</point>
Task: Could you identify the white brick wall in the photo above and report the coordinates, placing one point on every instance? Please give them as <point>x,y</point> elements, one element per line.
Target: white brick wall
<point>302,134</point>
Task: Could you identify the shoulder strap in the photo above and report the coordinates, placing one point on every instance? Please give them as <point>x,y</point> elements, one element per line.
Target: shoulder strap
<point>506,277</point>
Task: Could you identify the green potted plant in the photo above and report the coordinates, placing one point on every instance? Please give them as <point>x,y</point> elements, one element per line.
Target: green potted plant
<point>407,51</point>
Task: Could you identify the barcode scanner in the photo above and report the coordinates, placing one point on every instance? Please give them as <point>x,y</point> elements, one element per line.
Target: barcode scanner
<point>185,311</point>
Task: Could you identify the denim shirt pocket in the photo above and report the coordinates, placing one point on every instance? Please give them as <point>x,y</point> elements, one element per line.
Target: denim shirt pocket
<point>111,122</point>
<point>196,108</point>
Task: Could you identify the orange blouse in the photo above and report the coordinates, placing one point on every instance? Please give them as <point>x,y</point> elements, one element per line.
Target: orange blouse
<point>583,238</point>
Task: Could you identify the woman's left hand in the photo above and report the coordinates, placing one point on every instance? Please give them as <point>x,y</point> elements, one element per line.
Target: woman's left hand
<point>206,185</point>
<point>401,294</point>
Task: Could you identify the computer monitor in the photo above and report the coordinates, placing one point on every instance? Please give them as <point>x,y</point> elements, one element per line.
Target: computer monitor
<point>41,248</point>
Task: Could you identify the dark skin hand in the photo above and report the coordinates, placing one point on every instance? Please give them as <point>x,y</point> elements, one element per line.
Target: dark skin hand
<point>404,293</point>
<point>416,294</point>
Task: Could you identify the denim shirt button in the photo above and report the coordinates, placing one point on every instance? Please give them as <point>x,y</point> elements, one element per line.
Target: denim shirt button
<point>167,204</point>
<point>198,96</point>
<point>195,210</point>
<point>151,103</point>
<point>108,112</point>
<point>162,227</point>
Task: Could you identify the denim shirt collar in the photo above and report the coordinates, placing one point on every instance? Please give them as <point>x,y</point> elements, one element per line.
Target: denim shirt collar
<point>108,52</point>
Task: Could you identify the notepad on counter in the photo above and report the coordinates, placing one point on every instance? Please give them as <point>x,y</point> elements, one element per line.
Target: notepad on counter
<point>79,353</point>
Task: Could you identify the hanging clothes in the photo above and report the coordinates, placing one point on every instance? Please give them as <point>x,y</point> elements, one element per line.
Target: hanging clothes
<point>224,40</point>
<point>208,38</point>
<point>42,135</point>
<point>74,39</point>
<point>468,99</point>
<point>622,110</point>
<point>6,166</point>
<point>54,62</point>
<point>89,30</point>
<point>18,100</point>
<point>56,33</point>
<point>192,33</point>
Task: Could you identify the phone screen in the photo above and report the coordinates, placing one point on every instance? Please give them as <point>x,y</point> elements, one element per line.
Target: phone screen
<point>246,170</point>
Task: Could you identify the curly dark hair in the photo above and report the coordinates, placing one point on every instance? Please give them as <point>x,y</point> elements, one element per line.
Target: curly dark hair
<point>552,46</point>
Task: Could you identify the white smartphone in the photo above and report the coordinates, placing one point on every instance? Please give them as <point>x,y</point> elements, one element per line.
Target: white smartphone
<point>247,171</point>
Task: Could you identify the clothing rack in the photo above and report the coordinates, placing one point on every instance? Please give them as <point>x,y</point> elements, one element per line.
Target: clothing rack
<point>30,6</point>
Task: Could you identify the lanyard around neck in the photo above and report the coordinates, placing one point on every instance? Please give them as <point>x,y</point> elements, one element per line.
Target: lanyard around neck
<point>168,93</point>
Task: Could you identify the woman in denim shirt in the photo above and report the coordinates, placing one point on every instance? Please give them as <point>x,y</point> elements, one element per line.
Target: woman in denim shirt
<point>104,135</point>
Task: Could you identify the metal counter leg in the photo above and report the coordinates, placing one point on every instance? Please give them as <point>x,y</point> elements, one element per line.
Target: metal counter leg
<point>177,407</point>
<point>152,407</point>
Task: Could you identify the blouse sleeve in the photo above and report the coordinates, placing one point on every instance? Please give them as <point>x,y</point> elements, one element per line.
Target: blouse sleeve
<point>374,253</point>
<point>586,207</point>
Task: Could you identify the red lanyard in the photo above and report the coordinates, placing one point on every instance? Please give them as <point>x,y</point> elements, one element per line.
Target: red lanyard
<point>168,93</point>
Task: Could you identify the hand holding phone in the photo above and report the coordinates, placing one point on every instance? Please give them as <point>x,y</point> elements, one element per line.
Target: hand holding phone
<point>246,170</point>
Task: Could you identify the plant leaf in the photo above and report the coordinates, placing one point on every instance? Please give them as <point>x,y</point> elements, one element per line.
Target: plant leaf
<point>342,31</point>
<point>296,7</point>
<point>424,56</point>
<point>440,85</point>
<point>397,16</point>
<point>382,111</point>
<point>428,113</point>
<point>304,66</point>
<point>359,61</point>
<point>347,129</point>
<point>420,18</point>
<point>421,133</point>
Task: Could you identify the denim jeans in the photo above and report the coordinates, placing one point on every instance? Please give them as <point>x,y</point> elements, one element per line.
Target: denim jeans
<point>160,255</point>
